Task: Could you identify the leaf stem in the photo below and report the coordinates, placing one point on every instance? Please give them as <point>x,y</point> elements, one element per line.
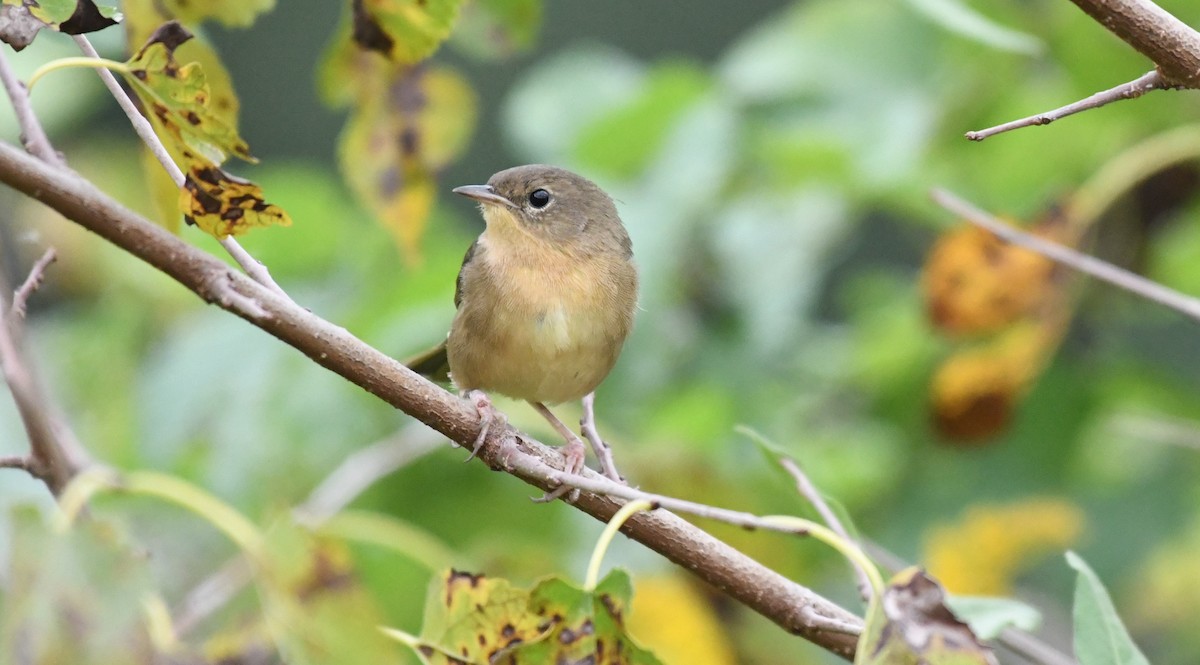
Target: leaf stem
<point>826,535</point>
<point>77,61</point>
<point>606,538</point>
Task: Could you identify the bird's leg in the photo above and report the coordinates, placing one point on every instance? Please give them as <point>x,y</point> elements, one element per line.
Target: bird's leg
<point>487,415</point>
<point>603,452</point>
<point>573,454</point>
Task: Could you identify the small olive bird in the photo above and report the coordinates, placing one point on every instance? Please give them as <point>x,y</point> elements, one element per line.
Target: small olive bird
<point>545,297</point>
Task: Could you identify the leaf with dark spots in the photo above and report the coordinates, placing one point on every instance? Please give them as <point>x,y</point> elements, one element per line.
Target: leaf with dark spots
<point>404,31</point>
<point>223,205</point>
<point>178,97</point>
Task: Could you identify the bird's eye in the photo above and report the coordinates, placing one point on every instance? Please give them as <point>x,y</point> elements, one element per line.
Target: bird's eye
<point>539,198</point>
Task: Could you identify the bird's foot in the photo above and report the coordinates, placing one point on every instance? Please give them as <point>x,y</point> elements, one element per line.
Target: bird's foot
<point>603,451</point>
<point>573,457</point>
<point>487,416</point>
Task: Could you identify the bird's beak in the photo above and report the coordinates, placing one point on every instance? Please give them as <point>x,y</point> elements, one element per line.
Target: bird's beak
<point>483,194</point>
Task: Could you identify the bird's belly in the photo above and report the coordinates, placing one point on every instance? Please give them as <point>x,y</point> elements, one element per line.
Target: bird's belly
<point>546,353</point>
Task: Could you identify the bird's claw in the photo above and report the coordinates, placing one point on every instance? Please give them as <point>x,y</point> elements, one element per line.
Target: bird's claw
<point>487,415</point>
<point>574,454</point>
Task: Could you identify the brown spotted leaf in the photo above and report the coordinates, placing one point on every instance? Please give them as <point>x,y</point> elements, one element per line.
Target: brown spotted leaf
<point>911,625</point>
<point>475,619</point>
<point>177,98</point>
<point>585,627</point>
<point>223,205</point>
<point>399,138</point>
<point>20,20</point>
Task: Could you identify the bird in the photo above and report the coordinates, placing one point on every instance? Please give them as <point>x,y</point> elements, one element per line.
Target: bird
<point>545,299</point>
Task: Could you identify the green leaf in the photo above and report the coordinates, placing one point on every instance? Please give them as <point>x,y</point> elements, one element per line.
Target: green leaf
<point>988,617</point>
<point>178,97</point>
<point>233,13</point>
<point>406,31</point>
<point>1100,637</point>
<point>623,140</point>
<point>474,619</point>
<point>958,17</point>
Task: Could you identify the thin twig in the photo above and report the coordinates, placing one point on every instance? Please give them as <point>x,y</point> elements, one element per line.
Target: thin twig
<point>48,460</point>
<point>32,134</point>
<point>253,267</point>
<point>32,282</point>
<point>352,477</point>
<point>1151,80</point>
<point>1090,265</point>
<point>18,462</point>
<point>810,492</point>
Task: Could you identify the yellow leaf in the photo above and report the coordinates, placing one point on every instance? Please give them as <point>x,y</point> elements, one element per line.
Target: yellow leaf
<point>991,544</point>
<point>223,205</point>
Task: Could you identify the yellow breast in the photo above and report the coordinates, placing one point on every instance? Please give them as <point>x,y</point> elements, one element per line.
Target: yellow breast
<point>538,324</point>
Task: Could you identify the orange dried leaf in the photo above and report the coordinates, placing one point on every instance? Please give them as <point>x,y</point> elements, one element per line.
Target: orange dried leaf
<point>976,283</point>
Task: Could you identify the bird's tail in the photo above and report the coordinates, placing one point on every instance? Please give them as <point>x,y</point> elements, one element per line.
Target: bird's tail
<point>431,364</point>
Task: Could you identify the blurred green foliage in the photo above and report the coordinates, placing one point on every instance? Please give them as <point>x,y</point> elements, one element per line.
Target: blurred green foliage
<point>776,194</point>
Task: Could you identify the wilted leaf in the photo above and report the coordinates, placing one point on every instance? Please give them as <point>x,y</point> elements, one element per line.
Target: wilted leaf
<point>406,31</point>
<point>20,20</point>
<point>910,624</point>
<point>222,205</point>
<point>1100,637</point>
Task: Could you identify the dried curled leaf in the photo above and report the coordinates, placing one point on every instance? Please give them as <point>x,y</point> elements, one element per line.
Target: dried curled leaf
<point>222,205</point>
<point>910,624</point>
<point>20,20</point>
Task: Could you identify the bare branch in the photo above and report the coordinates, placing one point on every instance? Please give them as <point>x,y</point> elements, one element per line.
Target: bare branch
<point>810,492</point>
<point>18,462</point>
<point>747,581</point>
<point>252,266</point>
<point>32,282</point>
<point>1090,265</point>
<point>1168,42</point>
<point>47,460</point>
<point>1135,88</point>
<point>32,133</point>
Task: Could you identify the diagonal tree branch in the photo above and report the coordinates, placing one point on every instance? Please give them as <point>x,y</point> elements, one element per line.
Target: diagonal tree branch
<point>791,606</point>
<point>1171,44</point>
